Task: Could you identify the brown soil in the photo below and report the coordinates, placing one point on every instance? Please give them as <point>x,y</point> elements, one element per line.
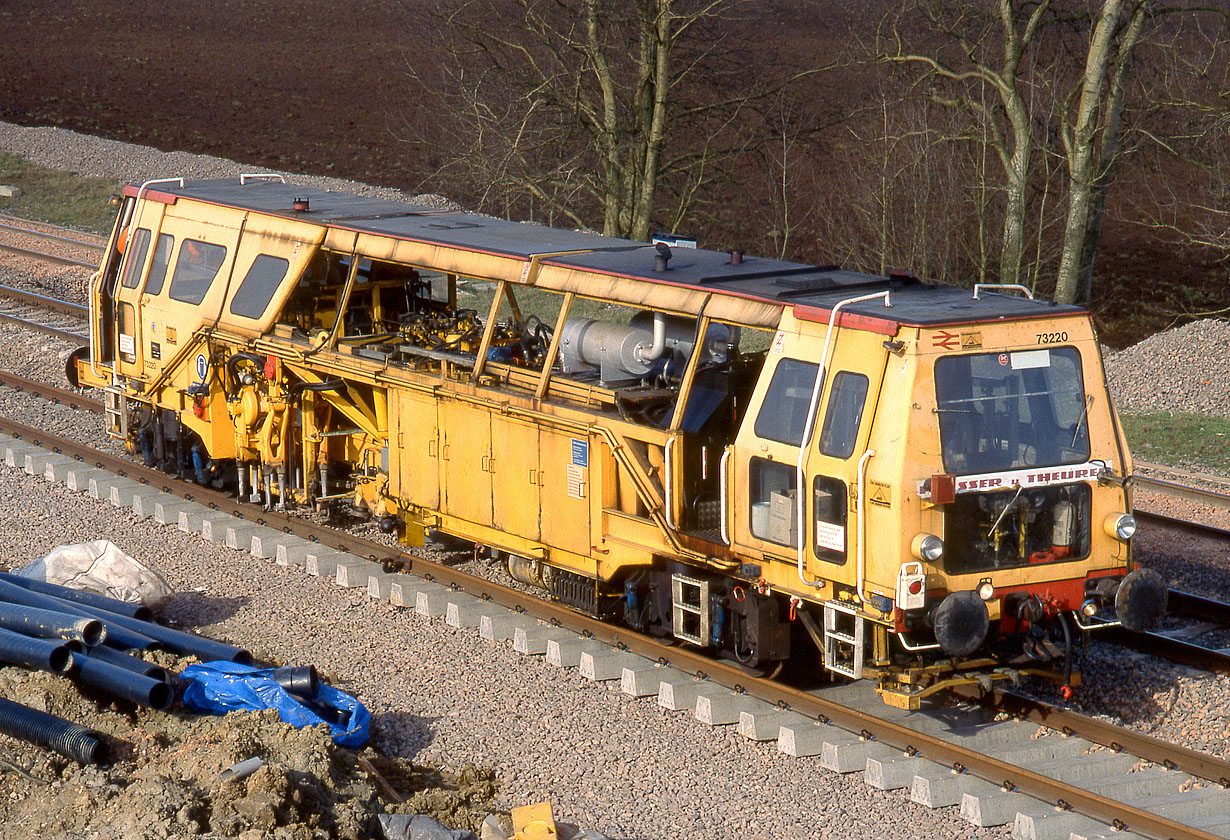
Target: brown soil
<point>162,779</point>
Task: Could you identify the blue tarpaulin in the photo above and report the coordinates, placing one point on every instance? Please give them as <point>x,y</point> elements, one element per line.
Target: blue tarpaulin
<point>221,687</point>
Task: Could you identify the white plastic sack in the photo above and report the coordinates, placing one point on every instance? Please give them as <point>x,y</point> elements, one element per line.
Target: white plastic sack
<point>100,566</point>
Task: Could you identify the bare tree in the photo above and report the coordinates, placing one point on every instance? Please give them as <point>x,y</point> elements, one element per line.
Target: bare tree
<point>576,109</point>
<point>1091,137</point>
<point>985,49</point>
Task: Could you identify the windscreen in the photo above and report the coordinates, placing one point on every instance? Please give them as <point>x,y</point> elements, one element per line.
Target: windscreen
<point>1002,411</point>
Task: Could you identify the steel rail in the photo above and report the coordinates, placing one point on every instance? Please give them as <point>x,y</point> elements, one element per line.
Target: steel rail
<point>99,241</point>
<point>1103,732</point>
<point>52,237</point>
<point>26,298</point>
<point>1182,524</point>
<point>1197,606</point>
<point>964,760</point>
<point>1213,498</point>
<point>1176,650</point>
<point>43,328</point>
<point>59,396</point>
<point>51,258</point>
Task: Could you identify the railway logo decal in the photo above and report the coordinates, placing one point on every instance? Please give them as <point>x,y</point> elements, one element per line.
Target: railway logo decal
<point>947,340</point>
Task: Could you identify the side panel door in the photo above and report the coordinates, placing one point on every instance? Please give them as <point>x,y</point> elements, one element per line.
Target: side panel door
<point>465,461</point>
<point>515,477</point>
<point>414,471</point>
<point>564,473</point>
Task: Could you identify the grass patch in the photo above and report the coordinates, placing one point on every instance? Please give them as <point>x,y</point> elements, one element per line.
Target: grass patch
<point>52,195</point>
<point>1193,440</point>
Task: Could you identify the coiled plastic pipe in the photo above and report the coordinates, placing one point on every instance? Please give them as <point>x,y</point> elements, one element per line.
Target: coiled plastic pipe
<point>70,740</point>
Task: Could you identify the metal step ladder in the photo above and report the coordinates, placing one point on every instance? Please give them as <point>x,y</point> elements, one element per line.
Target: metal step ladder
<point>115,411</point>
<point>843,639</point>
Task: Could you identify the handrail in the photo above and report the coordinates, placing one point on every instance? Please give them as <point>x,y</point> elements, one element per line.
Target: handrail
<point>243,178</point>
<point>861,514</point>
<point>808,429</point>
<point>668,497</point>
<point>722,478</point>
<point>978,287</point>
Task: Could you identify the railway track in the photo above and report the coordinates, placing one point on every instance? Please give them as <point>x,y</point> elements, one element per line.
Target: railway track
<point>1166,645</point>
<point>47,315</point>
<point>990,769</point>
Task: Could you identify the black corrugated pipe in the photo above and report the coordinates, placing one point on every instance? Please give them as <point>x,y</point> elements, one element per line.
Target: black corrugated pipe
<point>117,636</point>
<point>79,596</point>
<point>111,656</point>
<point>48,624</point>
<point>43,654</point>
<point>70,740</point>
<point>144,691</point>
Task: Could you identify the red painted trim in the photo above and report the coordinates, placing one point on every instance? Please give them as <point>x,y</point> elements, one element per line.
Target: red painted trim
<point>152,195</point>
<point>850,320</point>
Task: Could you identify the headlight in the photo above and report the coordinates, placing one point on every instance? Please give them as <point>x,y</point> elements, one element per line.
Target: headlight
<point>927,547</point>
<point>1121,526</point>
<point>986,590</point>
<point>1089,608</point>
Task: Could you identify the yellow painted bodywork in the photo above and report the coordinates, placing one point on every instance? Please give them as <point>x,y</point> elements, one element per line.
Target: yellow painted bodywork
<point>533,462</point>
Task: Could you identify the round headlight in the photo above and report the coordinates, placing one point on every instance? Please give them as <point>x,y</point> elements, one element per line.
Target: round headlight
<point>1089,608</point>
<point>927,547</point>
<point>986,590</point>
<point>1121,526</point>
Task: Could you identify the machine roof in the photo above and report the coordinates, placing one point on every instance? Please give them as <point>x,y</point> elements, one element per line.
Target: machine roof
<point>805,287</point>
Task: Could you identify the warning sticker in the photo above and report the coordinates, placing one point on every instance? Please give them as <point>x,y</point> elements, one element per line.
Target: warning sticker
<point>576,482</point>
<point>779,343</point>
<point>580,453</point>
<point>128,344</point>
<point>830,536</point>
<point>879,494</point>
<point>171,335</point>
<point>970,340</point>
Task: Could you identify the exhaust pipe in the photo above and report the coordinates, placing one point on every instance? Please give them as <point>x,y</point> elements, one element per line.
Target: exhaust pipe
<point>70,740</point>
<point>46,624</point>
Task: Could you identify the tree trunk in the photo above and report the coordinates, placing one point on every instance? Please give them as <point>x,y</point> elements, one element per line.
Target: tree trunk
<point>1081,152</point>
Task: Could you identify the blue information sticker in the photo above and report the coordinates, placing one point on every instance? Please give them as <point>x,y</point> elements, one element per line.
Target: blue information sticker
<point>580,453</point>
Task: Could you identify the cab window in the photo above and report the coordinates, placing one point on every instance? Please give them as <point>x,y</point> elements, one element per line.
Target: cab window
<point>844,413</point>
<point>258,286</point>
<point>196,267</point>
<point>158,268</point>
<point>771,491</point>
<point>783,415</point>
<point>137,249</point>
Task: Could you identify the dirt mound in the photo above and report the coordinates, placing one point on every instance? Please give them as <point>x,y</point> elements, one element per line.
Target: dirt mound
<point>163,779</point>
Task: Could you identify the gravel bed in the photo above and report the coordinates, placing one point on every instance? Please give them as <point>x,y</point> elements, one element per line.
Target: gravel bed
<point>1183,370</point>
<point>445,696</point>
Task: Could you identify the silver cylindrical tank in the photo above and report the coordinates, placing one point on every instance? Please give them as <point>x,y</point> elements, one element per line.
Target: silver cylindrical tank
<point>631,351</point>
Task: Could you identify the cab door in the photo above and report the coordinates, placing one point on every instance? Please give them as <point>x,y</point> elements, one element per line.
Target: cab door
<point>839,459</point>
<point>135,243</point>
